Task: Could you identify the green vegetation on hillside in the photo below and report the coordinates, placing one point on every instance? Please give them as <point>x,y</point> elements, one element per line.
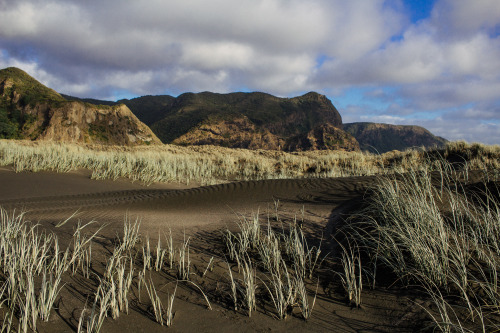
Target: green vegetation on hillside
<point>8,128</point>
<point>30,90</point>
<point>171,117</point>
<point>149,109</point>
<point>381,138</point>
<point>13,121</point>
<point>92,101</point>
<point>17,91</point>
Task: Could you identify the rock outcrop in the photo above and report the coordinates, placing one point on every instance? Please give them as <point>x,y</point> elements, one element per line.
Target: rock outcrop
<point>235,133</point>
<point>323,137</point>
<point>33,111</point>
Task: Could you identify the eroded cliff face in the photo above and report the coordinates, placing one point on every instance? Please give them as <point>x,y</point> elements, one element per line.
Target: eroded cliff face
<point>81,123</point>
<point>85,123</point>
<point>242,133</point>
<point>38,113</point>
<point>323,137</point>
<point>235,133</point>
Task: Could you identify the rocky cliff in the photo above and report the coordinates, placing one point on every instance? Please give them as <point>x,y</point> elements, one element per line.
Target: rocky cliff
<point>29,110</point>
<point>238,132</point>
<point>380,138</point>
<point>323,137</point>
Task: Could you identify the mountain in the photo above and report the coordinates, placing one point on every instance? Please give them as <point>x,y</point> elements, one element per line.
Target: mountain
<point>149,109</point>
<point>255,120</point>
<point>29,110</point>
<point>242,120</point>
<point>380,138</point>
<point>258,120</point>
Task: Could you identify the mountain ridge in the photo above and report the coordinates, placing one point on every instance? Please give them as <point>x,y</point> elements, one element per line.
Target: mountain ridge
<point>253,120</point>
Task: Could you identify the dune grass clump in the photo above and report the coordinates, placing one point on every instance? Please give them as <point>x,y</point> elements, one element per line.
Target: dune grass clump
<point>28,255</point>
<point>245,288</point>
<point>352,274</point>
<point>33,268</point>
<point>184,261</point>
<point>211,165</point>
<point>441,232</point>
<point>91,321</point>
<point>161,313</point>
<point>276,261</point>
<point>116,282</point>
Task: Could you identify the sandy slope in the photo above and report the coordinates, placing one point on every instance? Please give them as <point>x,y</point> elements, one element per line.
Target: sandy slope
<point>51,196</point>
<point>202,212</point>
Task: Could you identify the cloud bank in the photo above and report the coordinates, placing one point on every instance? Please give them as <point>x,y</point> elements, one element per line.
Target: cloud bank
<point>442,71</point>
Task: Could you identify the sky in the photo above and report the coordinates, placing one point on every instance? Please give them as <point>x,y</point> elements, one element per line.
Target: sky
<point>432,63</point>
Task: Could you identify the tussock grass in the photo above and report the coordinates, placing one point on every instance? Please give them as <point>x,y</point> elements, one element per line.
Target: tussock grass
<point>156,303</point>
<point>184,261</point>
<point>433,230</point>
<point>131,234</point>
<point>351,276</point>
<point>305,305</point>
<point>280,259</point>
<point>28,254</point>
<point>91,321</point>
<point>211,165</point>
<point>32,267</point>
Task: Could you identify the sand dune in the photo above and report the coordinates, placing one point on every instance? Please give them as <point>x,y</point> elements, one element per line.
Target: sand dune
<point>201,212</point>
<point>53,196</point>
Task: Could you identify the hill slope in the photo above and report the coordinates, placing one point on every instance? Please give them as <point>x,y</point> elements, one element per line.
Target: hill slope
<point>29,110</point>
<point>242,120</point>
<point>381,138</point>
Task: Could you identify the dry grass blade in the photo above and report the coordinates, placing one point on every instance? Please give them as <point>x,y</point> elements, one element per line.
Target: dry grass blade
<point>184,261</point>
<point>351,276</point>
<point>130,233</point>
<point>303,299</point>
<point>234,289</point>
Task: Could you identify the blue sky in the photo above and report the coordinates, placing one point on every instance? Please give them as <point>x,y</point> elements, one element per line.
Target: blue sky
<point>430,63</point>
<point>419,9</point>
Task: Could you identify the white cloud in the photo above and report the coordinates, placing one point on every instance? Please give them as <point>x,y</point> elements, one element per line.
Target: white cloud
<point>416,59</point>
<point>93,48</point>
<point>453,128</point>
<point>18,21</point>
<point>476,56</point>
<point>366,25</point>
<point>465,17</point>
<point>218,55</point>
<point>420,57</point>
<point>258,38</point>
